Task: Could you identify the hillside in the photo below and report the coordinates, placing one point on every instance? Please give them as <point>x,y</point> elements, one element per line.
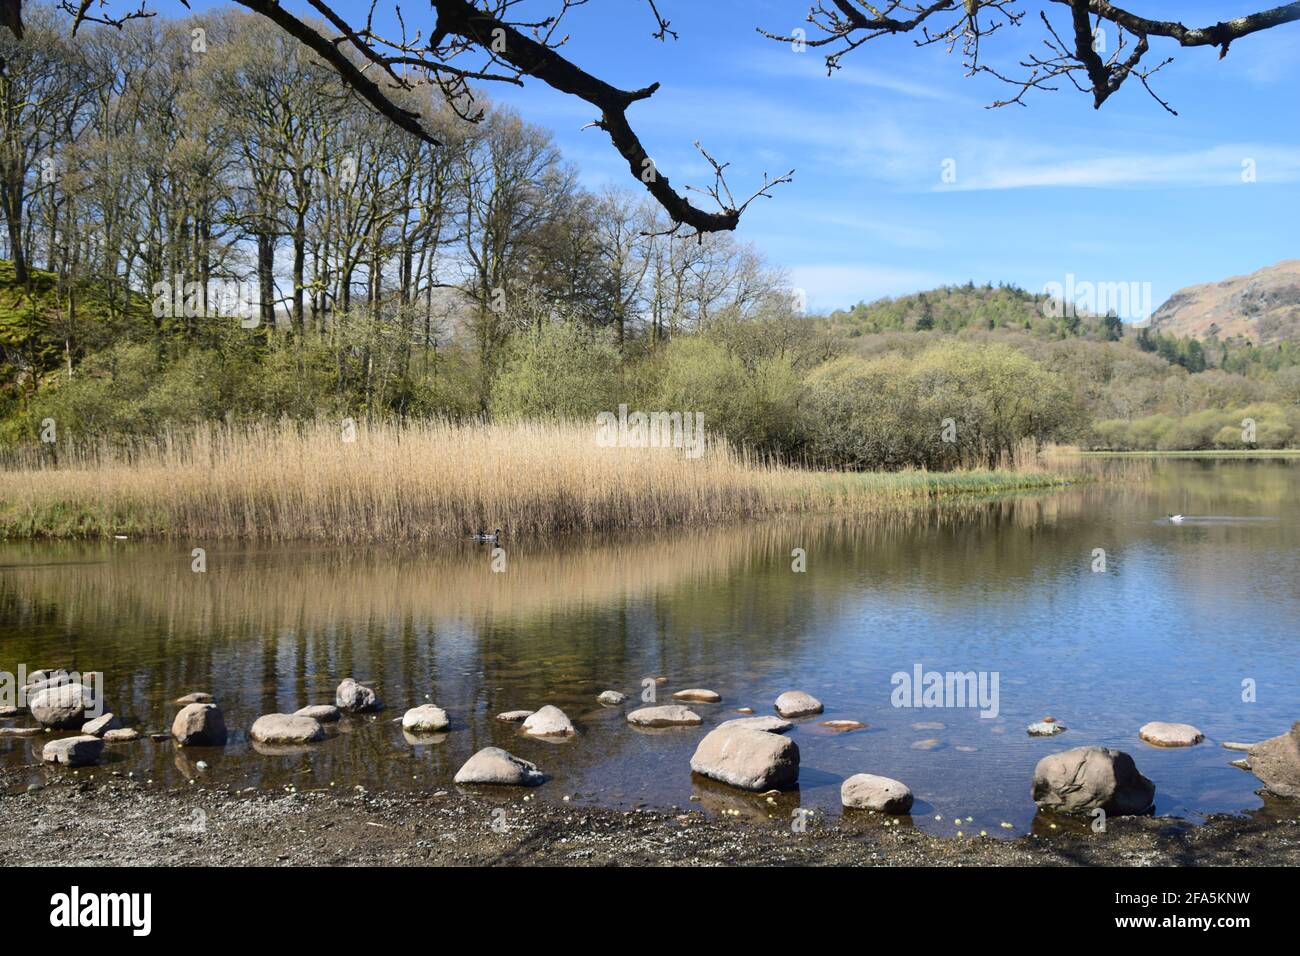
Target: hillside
<point>979,307</point>
<point>1262,307</point>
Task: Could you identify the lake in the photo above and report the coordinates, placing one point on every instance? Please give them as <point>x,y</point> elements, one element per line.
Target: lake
<point>1181,620</point>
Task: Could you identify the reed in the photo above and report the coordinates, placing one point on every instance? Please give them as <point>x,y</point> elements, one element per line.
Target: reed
<point>429,480</point>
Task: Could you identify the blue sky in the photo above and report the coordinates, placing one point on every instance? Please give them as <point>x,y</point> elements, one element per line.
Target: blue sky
<point>1125,194</point>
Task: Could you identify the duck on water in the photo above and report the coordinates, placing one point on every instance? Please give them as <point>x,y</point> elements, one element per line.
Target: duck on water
<point>484,536</point>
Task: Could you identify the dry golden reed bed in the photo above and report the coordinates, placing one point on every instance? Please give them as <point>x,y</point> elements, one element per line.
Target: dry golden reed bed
<point>425,481</point>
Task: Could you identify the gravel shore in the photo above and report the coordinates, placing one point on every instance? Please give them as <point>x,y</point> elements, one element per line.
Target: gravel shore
<point>119,821</point>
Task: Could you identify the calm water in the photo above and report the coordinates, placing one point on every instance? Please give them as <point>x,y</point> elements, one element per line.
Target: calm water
<point>1169,631</point>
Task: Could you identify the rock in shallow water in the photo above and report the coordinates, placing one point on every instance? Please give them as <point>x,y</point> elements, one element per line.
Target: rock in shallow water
<point>101,725</point>
<point>20,731</point>
<point>425,719</point>
<point>121,735</point>
<point>73,751</point>
<point>1044,728</point>
<point>748,759</point>
<point>1086,778</point>
<point>64,707</point>
<point>795,703</point>
<point>867,791</point>
<point>550,721</point>
<point>325,713</point>
<point>496,767</point>
<point>286,729</point>
<point>665,715</point>
<point>1276,761</point>
<point>611,698</point>
<point>514,716</point>
<point>200,725</point>
<point>356,698</point>
<point>1162,734</point>
<point>843,725</point>
<point>700,695</point>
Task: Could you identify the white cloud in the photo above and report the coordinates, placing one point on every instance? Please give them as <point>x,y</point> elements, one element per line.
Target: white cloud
<point>1219,166</point>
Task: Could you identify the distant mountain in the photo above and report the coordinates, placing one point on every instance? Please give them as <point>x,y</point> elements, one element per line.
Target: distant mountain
<point>1262,307</point>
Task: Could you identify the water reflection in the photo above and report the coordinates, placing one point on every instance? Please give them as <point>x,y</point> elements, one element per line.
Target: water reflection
<point>1179,618</point>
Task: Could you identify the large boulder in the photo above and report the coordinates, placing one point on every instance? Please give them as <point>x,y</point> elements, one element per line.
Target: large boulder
<point>64,706</point>
<point>1086,778</point>
<point>1276,761</point>
<point>867,791</point>
<point>550,721</point>
<point>749,759</point>
<point>497,767</point>
<point>73,751</point>
<point>286,729</point>
<point>795,703</point>
<point>1161,734</point>
<point>356,698</point>
<point>665,715</point>
<point>200,725</point>
<point>771,725</point>
<point>425,719</point>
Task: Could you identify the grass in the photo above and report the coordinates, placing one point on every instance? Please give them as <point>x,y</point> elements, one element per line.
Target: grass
<point>429,481</point>
<point>1208,453</point>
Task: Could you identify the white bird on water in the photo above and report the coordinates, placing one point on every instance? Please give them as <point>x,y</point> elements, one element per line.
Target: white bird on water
<point>1176,519</point>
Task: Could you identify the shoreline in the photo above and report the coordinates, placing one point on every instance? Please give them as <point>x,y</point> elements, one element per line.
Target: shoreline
<point>108,820</point>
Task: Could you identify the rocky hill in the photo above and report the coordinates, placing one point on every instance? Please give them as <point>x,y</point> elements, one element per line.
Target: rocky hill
<point>1262,307</point>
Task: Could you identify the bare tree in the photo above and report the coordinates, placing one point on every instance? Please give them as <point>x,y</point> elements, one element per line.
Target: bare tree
<point>1074,51</point>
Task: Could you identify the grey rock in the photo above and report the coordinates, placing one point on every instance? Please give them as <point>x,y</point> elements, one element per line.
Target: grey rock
<point>1276,761</point>
<point>699,695</point>
<point>550,721</point>
<point>64,707</point>
<point>496,767</point>
<point>867,791</point>
<point>200,725</point>
<point>325,713</point>
<point>664,715</point>
<point>20,732</point>
<point>795,703</point>
<point>121,735</point>
<point>356,698</point>
<point>514,716</point>
<point>1084,779</point>
<point>425,719</point>
<point>1161,734</point>
<point>73,751</point>
<point>286,729</point>
<point>611,698</point>
<point>101,725</point>
<point>748,759</point>
<point>770,725</point>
